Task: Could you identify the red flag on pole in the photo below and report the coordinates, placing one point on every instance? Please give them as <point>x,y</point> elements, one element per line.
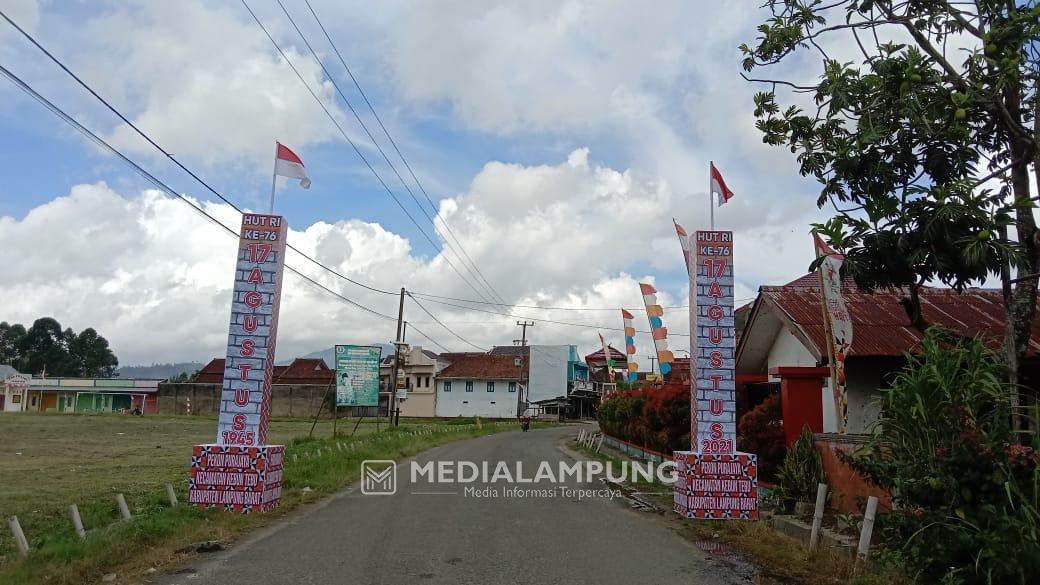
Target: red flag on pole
<point>718,186</point>
<point>288,164</point>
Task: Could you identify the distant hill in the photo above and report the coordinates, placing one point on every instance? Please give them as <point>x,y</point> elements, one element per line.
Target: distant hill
<point>329,354</point>
<point>159,371</point>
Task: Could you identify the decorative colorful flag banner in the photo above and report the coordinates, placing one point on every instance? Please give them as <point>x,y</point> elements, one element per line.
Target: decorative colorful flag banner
<point>658,331</point>
<point>684,241</point>
<point>607,357</point>
<point>838,324</point>
<point>630,345</point>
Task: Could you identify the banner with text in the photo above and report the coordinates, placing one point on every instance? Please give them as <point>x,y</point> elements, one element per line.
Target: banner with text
<point>715,481</point>
<point>357,375</point>
<point>245,400</point>
<point>714,386</point>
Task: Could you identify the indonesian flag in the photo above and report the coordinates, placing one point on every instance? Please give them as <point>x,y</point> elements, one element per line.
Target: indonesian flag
<point>287,164</point>
<point>718,186</point>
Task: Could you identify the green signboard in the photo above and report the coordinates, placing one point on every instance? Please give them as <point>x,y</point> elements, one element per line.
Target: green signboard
<point>357,375</point>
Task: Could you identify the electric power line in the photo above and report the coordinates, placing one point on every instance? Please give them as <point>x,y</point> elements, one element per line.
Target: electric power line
<point>53,108</point>
<point>408,166</point>
<point>166,153</point>
<point>356,149</point>
<point>208,187</point>
<point>585,325</point>
<point>446,328</point>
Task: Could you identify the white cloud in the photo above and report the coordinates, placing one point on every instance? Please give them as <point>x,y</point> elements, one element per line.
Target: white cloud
<point>204,82</point>
<point>154,277</point>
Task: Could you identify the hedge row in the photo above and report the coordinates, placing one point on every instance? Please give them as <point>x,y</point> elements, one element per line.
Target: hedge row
<point>659,419</point>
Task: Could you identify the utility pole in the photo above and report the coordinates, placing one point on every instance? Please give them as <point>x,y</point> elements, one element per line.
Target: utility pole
<point>653,358</point>
<point>520,370</point>
<point>391,403</point>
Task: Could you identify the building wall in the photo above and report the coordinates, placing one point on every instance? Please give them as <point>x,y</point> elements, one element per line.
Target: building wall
<point>849,490</point>
<point>498,404</point>
<point>292,400</point>
<point>422,404</point>
<point>11,395</point>
<point>864,377</point>
<point>788,351</point>
<point>548,372</point>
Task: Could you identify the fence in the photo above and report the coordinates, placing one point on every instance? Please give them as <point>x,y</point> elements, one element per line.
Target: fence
<point>335,447</point>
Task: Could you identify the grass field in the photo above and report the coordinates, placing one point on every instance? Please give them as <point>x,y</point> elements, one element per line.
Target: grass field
<point>48,461</point>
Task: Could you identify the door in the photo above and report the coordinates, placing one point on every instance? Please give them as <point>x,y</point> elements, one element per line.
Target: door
<point>50,402</point>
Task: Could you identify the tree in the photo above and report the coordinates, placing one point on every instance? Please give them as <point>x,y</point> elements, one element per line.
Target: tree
<point>923,147</point>
<point>91,354</point>
<point>10,338</point>
<point>45,347</point>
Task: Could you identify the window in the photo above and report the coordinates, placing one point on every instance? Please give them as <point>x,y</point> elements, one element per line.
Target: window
<point>469,385</point>
<point>447,385</point>
<point>512,386</point>
<point>490,386</point>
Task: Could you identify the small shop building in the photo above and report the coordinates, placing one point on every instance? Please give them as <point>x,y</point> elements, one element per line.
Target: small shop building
<point>22,393</point>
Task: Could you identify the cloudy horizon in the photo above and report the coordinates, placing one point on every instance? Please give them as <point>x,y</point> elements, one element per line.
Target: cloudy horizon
<point>557,140</point>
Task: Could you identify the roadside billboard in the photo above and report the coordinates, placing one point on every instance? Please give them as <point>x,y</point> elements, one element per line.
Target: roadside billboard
<point>357,375</point>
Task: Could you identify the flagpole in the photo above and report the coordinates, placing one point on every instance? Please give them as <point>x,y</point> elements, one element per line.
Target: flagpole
<point>711,204</point>
<point>274,175</point>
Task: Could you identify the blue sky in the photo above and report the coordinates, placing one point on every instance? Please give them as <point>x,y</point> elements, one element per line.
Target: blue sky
<point>558,139</point>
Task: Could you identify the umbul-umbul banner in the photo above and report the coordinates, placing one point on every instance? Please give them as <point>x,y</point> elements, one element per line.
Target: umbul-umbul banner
<point>607,358</point>
<point>838,325</point>
<point>630,345</point>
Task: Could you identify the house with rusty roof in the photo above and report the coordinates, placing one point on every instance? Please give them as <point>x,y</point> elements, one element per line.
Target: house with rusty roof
<point>784,331</point>
<point>300,371</point>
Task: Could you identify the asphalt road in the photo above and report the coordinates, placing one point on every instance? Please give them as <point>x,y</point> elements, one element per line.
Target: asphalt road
<point>456,538</point>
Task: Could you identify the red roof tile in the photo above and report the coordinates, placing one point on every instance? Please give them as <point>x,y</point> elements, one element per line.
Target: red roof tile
<point>481,366</point>
<point>300,371</point>
<point>881,326</point>
<point>596,357</point>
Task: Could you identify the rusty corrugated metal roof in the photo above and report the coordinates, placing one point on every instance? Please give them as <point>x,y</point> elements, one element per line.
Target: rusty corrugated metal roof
<point>881,326</point>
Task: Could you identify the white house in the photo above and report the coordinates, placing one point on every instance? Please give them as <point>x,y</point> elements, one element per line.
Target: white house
<point>14,389</point>
<point>785,330</point>
<point>479,384</point>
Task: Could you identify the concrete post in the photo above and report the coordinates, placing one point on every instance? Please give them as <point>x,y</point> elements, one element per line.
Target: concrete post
<point>19,536</point>
<point>171,494</point>
<point>77,523</point>
<point>817,519</point>
<point>868,528</point>
<point>124,510</point>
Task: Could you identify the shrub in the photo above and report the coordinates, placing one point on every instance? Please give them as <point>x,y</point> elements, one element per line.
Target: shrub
<point>802,470</point>
<point>761,431</point>
<point>966,489</point>
<point>656,418</point>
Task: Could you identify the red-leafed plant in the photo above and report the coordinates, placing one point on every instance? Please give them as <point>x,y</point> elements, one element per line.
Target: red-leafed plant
<point>657,418</point>
<point>761,431</point>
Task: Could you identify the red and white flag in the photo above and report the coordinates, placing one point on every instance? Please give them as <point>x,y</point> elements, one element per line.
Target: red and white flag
<point>287,164</point>
<point>718,186</point>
